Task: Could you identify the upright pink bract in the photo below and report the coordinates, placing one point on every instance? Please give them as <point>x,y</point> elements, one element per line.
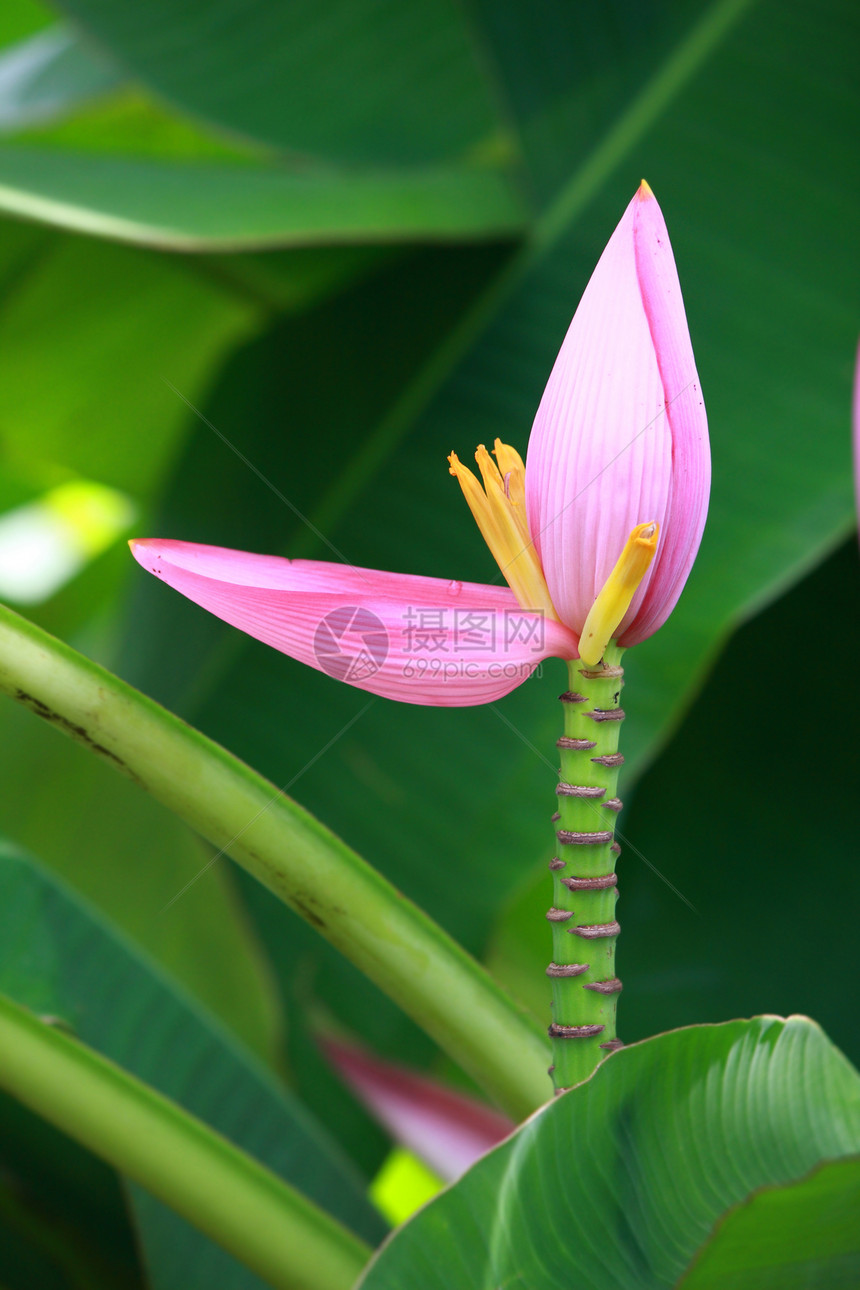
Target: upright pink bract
<point>621,437</point>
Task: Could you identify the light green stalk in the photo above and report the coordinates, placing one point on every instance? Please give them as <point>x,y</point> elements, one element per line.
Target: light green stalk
<point>582,916</point>
<point>256,1216</point>
<point>408,955</point>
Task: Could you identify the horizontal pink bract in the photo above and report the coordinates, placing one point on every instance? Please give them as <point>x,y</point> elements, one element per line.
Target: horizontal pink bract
<point>620,437</point>
<point>447,1130</point>
<point>406,637</point>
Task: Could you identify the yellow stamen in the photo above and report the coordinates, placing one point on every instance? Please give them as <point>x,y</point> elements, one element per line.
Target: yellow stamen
<point>513,472</point>
<point>617,592</point>
<point>500,513</point>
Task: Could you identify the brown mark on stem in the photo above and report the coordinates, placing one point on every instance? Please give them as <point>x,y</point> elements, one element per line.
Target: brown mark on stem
<point>599,883</point>
<point>611,760</point>
<point>607,714</point>
<point>613,804</point>
<point>555,863</point>
<point>570,696</point>
<point>594,931</point>
<point>566,969</point>
<point>76,731</point>
<point>577,745</point>
<point>568,837</point>
<point>558,915</point>
<point>574,1032</point>
<point>578,790</point>
<point>306,912</point>
<point>601,673</point>
<point>612,1045</point>
<point>611,985</point>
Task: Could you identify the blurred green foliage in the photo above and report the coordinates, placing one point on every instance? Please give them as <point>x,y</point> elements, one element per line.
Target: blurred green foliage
<point>340,240</point>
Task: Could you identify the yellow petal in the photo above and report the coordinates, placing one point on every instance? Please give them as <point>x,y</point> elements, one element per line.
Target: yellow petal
<point>500,514</point>
<point>620,587</point>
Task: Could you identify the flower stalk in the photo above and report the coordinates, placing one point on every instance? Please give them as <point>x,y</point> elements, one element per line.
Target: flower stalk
<point>246,1208</point>
<point>393,942</point>
<point>582,916</point>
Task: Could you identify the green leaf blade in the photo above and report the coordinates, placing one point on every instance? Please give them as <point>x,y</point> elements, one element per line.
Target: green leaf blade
<point>618,1182</point>
<point>59,958</point>
<point>788,1238</point>
<point>362,81</point>
<point>47,76</point>
<point>204,206</point>
<point>70,309</point>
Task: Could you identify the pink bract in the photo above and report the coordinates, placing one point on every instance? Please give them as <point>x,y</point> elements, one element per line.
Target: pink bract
<point>403,636</point>
<point>620,437</point>
<point>445,1129</point>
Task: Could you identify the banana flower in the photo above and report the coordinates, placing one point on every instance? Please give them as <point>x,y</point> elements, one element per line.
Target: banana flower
<point>595,536</point>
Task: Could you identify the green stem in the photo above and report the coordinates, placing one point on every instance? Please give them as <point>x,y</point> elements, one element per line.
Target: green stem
<point>241,1205</point>
<point>408,955</point>
<point>584,930</point>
